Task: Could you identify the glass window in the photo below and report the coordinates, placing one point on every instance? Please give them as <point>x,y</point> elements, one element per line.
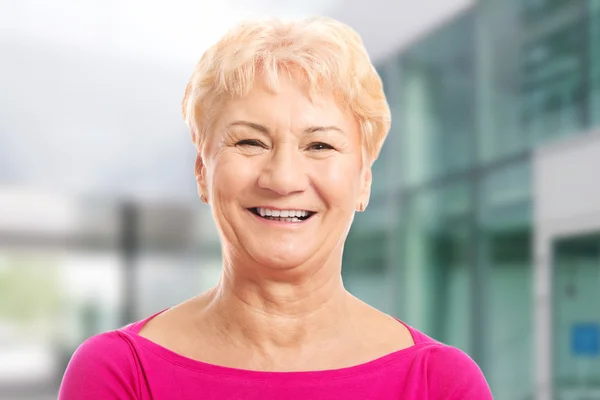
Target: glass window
<point>370,254</point>
<point>594,48</point>
<point>533,10</point>
<point>507,257</point>
<point>552,82</point>
<point>366,271</point>
<point>532,86</point>
<point>386,170</point>
<point>437,95</point>
<point>504,249</point>
<point>497,86</point>
<point>434,262</point>
<point>576,279</point>
<point>503,194</point>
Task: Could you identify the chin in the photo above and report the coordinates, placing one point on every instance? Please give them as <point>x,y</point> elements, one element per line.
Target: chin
<point>281,260</point>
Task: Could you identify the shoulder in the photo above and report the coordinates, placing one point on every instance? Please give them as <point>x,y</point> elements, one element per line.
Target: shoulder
<point>103,366</point>
<point>452,374</point>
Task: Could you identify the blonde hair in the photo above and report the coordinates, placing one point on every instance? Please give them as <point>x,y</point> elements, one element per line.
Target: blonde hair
<point>329,54</point>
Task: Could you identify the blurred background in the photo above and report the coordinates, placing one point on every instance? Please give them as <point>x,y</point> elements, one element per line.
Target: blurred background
<point>483,229</point>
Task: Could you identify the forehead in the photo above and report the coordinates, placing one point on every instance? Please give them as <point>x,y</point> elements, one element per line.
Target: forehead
<point>289,101</point>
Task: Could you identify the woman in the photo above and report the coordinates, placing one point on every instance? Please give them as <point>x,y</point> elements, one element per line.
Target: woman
<point>287,119</point>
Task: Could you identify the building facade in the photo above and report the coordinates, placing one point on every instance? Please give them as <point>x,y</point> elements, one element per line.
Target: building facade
<point>449,244</point>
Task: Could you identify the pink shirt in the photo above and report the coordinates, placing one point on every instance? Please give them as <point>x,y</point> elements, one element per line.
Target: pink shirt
<point>123,365</point>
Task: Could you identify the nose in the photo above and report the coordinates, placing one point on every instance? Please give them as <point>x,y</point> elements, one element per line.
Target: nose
<point>284,171</point>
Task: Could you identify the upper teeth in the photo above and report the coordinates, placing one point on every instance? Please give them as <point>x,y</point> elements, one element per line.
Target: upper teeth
<point>281,213</point>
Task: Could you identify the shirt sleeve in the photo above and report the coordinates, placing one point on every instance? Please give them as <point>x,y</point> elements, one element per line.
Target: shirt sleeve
<point>103,367</point>
<point>453,375</point>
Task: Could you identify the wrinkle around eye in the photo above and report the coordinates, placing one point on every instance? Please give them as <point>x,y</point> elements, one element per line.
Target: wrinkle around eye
<point>251,143</point>
<point>323,146</point>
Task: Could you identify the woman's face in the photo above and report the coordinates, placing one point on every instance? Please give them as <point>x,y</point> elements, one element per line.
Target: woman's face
<point>284,176</point>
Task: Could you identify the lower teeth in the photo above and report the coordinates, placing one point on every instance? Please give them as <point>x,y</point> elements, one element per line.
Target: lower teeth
<point>292,219</point>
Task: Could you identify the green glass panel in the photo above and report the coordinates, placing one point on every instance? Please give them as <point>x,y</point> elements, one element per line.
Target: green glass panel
<point>531,62</point>
<point>435,263</point>
<point>576,316</point>
<point>437,94</point>
<point>504,250</point>
<point>594,49</point>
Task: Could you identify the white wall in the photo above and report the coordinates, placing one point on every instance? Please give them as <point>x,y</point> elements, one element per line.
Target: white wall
<point>567,180</point>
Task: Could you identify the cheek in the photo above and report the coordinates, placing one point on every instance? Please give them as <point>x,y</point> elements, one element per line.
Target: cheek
<point>230,174</point>
<point>339,181</point>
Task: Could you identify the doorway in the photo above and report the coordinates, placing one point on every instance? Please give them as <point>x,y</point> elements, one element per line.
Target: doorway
<point>576,317</point>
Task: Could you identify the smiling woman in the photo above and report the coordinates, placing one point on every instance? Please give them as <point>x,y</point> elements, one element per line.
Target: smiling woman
<point>287,119</point>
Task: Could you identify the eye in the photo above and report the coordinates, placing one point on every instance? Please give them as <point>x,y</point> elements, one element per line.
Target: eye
<point>251,143</point>
<point>320,146</point>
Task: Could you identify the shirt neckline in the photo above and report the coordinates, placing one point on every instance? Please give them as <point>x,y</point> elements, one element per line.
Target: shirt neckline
<point>420,340</point>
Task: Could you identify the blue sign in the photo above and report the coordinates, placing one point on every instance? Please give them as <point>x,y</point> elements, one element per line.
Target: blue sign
<point>585,339</point>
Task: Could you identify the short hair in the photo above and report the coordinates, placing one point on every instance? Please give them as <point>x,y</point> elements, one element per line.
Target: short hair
<point>329,54</point>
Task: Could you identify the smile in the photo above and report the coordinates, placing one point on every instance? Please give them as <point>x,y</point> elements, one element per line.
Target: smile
<point>282,215</point>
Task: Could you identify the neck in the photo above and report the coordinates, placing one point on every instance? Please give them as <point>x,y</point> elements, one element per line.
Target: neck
<point>274,315</point>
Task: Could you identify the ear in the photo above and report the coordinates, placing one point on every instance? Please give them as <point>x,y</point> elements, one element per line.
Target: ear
<point>364,193</point>
<point>200,172</point>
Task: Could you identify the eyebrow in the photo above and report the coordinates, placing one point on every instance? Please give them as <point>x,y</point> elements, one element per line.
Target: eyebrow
<point>251,125</point>
<point>264,129</point>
